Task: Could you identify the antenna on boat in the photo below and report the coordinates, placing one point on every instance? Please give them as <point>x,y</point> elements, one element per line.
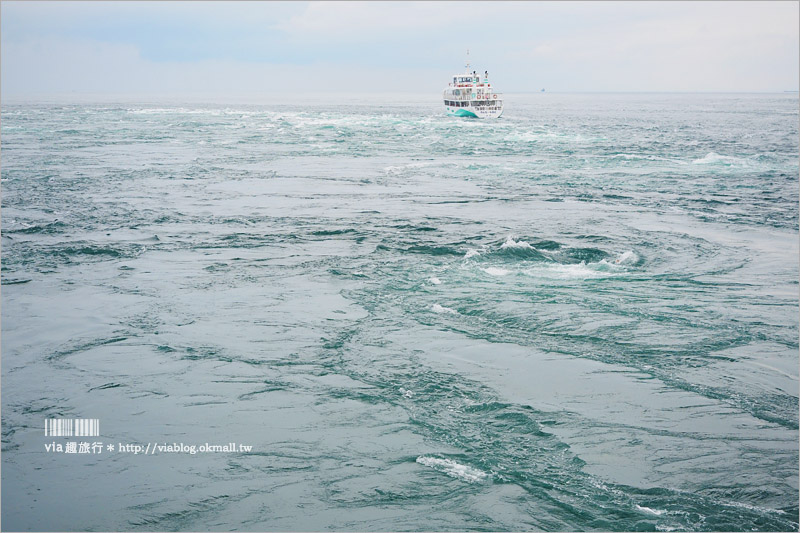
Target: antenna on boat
<point>467,59</point>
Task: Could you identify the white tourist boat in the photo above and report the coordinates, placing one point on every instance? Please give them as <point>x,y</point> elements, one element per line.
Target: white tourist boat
<point>471,95</point>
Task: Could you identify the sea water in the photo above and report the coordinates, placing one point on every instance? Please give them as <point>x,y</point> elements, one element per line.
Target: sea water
<point>580,316</point>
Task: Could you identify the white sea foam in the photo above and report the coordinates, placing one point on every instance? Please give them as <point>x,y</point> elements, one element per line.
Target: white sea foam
<point>545,136</point>
<point>154,111</point>
<point>647,157</point>
<point>393,169</point>
<point>435,281</point>
<point>453,469</point>
<point>400,168</point>
<point>471,253</point>
<point>630,156</point>
<point>511,243</point>
<point>173,110</point>
<point>495,271</point>
<point>754,507</point>
<point>527,136</point>
<point>656,512</point>
<point>626,258</point>
<point>573,271</point>
<point>436,308</point>
<point>713,158</point>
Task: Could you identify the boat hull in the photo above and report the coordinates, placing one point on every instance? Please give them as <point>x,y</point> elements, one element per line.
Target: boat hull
<point>461,112</point>
<point>474,112</point>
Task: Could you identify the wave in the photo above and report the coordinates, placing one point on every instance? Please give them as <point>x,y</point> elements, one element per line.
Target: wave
<point>45,228</point>
<point>7,281</point>
<point>453,469</point>
<point>494,271</point>
<point>331,232</point>
<point>96,250</point>
<point>548,136</point>
<point>581,255</point>
<point>713,158</point>
<point>433,250</point>
<point>627,258</point>
<point>436,308</point>
<point>511,243</point>
<point>646,157</point>
<point>656,512</point>
<point>570,271</point>
<point>558,257</point>
<point>521,249</point>
<point>567,268</point>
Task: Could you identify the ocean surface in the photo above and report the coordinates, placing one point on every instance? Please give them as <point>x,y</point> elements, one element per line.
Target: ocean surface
<point>580,316</point>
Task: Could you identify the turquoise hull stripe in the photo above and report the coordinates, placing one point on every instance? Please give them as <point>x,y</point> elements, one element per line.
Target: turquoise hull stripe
<point>462,113</point>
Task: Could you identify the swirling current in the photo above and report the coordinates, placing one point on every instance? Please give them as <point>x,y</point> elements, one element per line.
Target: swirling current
<point>580,316</point>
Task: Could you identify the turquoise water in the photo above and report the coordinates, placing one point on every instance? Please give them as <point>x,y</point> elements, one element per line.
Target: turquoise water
<point>580,316</point>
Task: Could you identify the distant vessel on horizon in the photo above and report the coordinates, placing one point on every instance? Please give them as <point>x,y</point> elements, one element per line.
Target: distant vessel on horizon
<point>470,96</point>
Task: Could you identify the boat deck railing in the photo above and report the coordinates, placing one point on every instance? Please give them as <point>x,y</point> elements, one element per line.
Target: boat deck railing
<point>468,97</point>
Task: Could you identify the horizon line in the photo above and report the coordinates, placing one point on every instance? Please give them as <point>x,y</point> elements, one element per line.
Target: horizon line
<point>86,94</point>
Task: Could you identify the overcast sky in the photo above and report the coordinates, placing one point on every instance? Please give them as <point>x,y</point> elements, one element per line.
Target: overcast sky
<point>262,47</point>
